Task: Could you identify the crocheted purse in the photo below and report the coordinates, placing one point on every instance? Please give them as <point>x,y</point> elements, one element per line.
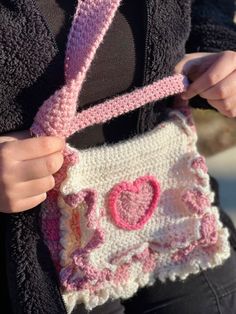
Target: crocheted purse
<point>123,215</point>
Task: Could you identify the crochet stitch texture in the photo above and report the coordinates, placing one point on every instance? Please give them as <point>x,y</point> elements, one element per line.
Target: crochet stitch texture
<point>123,215</point>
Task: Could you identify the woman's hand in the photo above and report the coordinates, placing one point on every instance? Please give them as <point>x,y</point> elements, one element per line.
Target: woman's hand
<point>26,168</point>
<point>213,77</point>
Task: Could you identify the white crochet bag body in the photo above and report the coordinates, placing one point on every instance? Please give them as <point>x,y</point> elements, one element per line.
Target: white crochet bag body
<point>123,215</point>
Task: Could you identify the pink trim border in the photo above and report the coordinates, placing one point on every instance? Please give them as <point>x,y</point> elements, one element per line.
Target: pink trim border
<point>134,188</point>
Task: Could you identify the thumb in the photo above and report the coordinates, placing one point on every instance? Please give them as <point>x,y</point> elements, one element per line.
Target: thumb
<point>193,65</point>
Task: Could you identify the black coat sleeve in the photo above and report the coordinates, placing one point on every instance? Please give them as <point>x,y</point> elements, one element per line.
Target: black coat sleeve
<point>212,30</point>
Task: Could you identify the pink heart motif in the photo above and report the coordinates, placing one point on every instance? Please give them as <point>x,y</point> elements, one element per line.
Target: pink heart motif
<point>132,204</point>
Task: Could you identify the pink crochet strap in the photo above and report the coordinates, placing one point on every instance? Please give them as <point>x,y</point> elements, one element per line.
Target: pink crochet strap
<point>112,108</point>
<point>122,104</point>
<point>90,23</point>
<point>57,116</point>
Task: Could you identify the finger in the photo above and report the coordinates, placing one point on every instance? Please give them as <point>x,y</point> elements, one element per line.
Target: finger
<point>194,64</point>
<point>28,203</point>
<point>34,147</point>
<point>34,187</point>
<point>39,168</point>
<point>223,66</point>
<point>13,136</point>
<point>222,90</point>
<point>226,106</point>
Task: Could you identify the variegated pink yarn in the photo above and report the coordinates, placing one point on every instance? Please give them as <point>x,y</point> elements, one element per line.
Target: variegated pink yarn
<point>58,116</point>
<point>121,216</point>
<point>128,202</point>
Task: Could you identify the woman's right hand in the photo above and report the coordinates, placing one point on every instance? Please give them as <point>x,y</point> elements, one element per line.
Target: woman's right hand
<point>26,168</point>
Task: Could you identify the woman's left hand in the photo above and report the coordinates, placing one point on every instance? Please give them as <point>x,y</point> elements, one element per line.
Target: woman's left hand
<point>213,77</point>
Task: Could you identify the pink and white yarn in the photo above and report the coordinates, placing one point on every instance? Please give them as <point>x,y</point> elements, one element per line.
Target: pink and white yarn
<point>132,204</point>
<point>122,215</point>
<point>180,235</point>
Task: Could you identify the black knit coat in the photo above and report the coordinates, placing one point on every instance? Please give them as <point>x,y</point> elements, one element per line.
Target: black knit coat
<point>28,53</point>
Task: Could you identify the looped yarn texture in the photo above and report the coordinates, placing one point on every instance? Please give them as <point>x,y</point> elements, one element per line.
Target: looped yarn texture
<point>57,115</point>
<point>122,215</point>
